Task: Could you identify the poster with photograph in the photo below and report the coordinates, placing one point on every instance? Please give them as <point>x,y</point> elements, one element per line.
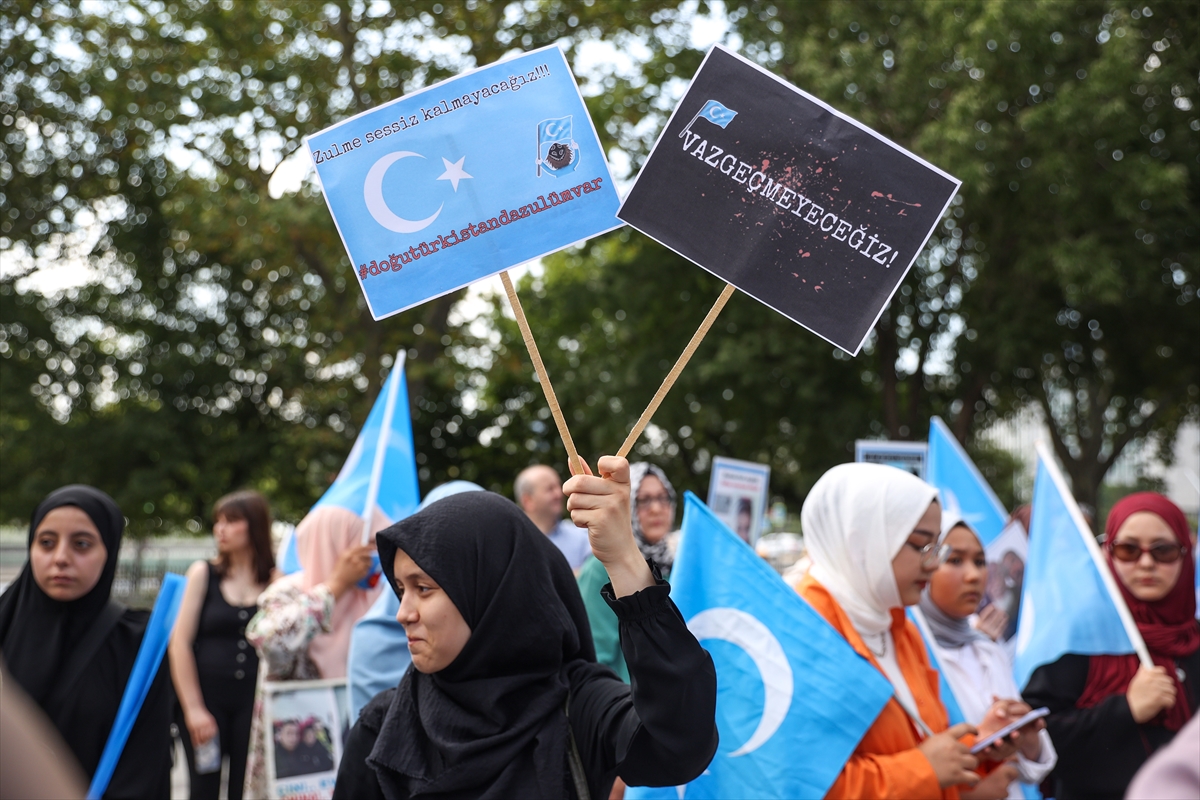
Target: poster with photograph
<point>307,722</point>
<point>737,495</point>
<point>1006,556</point>
<point>908,456</point>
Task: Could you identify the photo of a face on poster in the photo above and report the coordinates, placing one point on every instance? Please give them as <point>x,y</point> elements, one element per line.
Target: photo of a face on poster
<point>1006,574</point>
<point>737,495</point>
<point>307,724</point>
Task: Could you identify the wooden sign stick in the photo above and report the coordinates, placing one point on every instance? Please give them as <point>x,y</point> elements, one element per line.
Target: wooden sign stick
<point>669,381</point>
<point>572,456</point>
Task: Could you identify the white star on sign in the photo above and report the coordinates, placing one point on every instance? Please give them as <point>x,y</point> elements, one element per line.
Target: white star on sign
<point>454,172</point>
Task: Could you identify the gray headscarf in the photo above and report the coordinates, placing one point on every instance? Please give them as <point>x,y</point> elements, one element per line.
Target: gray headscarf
<point>950,632</point>
<point>660,551</point>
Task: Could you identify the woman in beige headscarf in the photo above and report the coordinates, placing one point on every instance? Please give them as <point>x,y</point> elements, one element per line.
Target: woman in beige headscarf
<point>302,629</point>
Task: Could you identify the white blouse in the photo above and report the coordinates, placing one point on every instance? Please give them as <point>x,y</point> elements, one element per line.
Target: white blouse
<point>978,671</point>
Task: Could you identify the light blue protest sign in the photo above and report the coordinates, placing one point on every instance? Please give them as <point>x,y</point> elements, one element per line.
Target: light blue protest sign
<point>141,677</point>
<point>471,176</point>
<point>1069,601</point>
<point>793,698</point>
<point>960,484</point>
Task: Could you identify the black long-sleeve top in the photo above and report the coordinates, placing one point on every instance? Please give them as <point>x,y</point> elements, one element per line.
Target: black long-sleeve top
<point>1099,748</point>
<point>658,731</point>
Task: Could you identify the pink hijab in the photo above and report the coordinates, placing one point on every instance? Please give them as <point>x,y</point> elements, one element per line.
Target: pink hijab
<point>320,539</point>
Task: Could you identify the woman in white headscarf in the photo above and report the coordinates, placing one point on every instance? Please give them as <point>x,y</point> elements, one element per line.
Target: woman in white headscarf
<point>872,532</point>
<point>977,668</point>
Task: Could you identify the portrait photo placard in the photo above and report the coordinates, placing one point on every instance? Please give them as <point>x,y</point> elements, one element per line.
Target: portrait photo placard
<point>793,202</point>
<point>307,723</point>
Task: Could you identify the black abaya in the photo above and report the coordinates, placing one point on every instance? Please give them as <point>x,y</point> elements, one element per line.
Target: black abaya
<point>38,635</point>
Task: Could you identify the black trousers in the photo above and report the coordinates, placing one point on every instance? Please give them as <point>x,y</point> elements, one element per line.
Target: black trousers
<point>231,702</point>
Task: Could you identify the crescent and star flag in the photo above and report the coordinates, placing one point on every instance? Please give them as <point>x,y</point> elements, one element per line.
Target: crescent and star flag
<point>145,669</point>
<point>464,179</point>
<point>1069,602</point>
<point>960,485</point>
<point>791,201</point>
<point>793,698</point>
<point>383,457</point>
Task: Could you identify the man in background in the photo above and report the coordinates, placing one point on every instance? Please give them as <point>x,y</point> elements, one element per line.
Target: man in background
<point>538,491</point>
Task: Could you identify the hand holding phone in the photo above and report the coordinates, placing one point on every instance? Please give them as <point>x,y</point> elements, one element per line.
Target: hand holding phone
<point>988,741</point>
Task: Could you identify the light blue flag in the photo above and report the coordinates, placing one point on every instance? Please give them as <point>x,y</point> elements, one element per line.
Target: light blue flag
<point>717,114</point>
<point>141,677</point>
<point>793,698</point>
<point>961,486</point>
<point>381,470</point>
<point>440,188</point>
<point>953,710</point>
<point>1069,600</point>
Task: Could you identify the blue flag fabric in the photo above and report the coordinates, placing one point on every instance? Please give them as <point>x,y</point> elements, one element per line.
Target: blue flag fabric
<point>953,711</point>
<point>439,188</point>
<point>145,668</point>
<point>961,486</point>
<point>793,698</point>
<point>717,114</point>
<point>1065,605</point>
<point>398,492</point>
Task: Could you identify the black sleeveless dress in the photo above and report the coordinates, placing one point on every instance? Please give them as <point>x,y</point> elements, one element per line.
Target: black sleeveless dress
<point>227,666</point>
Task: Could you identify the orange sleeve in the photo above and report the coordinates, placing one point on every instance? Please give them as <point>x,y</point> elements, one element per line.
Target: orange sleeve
<point>907,775</point>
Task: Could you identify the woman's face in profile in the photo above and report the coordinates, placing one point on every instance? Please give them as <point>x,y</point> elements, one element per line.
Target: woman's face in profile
<point>67,554</point>
<point>436,630</point>
<point>231,535</point>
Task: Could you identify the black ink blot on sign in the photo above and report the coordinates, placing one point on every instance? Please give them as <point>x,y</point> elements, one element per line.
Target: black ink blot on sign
<point>794,203</point>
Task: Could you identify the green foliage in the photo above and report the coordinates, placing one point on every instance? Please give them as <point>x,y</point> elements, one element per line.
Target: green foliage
<point>221,340</point>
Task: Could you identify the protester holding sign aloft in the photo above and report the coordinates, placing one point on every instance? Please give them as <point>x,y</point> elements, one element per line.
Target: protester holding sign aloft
<point>873,534</point>
<point>505,698</point>
<point>977,668</point>
<point>1108,712</point>
<point>72,648</point>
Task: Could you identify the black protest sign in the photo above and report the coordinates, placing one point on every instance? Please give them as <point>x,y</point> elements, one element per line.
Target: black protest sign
<point>794,203</point>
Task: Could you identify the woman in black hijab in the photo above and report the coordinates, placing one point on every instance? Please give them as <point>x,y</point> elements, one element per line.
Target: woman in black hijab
<point>71,648</point>
<point>505,698</point>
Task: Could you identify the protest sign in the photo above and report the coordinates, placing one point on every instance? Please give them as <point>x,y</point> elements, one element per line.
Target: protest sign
<point>307,723</point>
<point>737,495</point>
<point>796,204</point>
<point>908,456</point>
<point>464,179</point>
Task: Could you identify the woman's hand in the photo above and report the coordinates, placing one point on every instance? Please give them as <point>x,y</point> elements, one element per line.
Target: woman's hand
<point>994,786</point>
<point>602,506</point>
<point>1150,692</point>
<point>992,622</point>
<point>951,759</point>
<point>1001,713</point>
<point>352,566</point>
<point>201,725</point>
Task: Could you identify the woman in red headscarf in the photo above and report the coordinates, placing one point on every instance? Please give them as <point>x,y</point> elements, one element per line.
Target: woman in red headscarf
<point>1108,713</point>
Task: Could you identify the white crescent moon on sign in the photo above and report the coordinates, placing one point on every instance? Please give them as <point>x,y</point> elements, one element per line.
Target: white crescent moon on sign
<point>745,631</point>
<point>373,195</point>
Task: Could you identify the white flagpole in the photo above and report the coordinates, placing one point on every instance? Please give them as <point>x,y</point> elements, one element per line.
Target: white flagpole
<point>389,410</point>
<point>1110,583</point>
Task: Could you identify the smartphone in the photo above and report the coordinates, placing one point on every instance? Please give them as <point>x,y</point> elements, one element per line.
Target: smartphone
<point>984,744</point>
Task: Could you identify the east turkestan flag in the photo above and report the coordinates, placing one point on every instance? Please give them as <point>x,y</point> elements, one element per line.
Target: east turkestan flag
<point>793,698</point>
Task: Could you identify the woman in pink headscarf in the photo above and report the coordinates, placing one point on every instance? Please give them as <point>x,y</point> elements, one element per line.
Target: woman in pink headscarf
<point>302,629</point>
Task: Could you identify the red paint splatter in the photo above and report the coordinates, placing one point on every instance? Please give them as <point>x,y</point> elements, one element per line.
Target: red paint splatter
<point>795,274</point>
<point>876,194</point>
<point>766,164</point>
<point>816,288</point>
<point>819,169</point>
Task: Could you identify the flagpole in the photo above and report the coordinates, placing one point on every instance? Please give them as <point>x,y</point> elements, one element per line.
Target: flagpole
<point>543,376</point>
<point>1089,541</point>
<point>389,410</point>
<point>673,375</point>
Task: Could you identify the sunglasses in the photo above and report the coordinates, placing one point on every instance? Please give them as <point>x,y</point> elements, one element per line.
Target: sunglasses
<point>1163,552</point>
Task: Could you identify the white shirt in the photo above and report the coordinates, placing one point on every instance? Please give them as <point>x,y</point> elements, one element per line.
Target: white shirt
<point>976,672</point>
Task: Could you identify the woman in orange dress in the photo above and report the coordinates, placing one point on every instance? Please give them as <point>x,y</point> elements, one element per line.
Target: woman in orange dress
<point>872,532</point>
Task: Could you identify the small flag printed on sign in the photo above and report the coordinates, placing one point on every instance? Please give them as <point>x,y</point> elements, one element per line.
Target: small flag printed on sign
<point>789,200</point>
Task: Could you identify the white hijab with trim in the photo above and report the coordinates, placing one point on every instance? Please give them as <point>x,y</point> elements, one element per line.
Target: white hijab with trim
<point>855,520</point>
